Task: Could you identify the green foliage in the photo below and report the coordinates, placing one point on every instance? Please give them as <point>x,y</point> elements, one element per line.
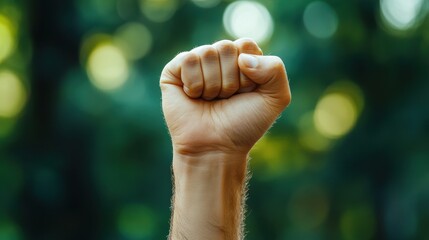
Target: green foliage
<point>82,161</point>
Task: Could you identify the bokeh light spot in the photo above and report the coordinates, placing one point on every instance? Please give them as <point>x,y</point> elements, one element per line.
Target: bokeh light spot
<point>135,39</point>
<point>358,223</point>
<point>320,19</point>
<point>206,3</point>
<point>107,66</point>
<point>269,161</point>
<point>335,115</point>
<point>248,19</point>
<point>12,94</point>
<point>136,221</point>
<point>267,157</point>
<point>309,137</point>
<point>7,39</point>
<point>158,10</point>
<point>350,89</point>
<point>400,14</point>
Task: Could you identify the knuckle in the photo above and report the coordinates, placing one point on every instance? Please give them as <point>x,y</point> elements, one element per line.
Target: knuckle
<point>277,64</point>
<point>226,47</point>
<point>210,54</point>
<point>191,59</point>
<point>178,58</point>
<point>248,45</point>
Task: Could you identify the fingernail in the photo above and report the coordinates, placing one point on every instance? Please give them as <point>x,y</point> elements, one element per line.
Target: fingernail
<point>249,60</point>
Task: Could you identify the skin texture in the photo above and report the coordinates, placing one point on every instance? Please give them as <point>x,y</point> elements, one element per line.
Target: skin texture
<point>218,100</point>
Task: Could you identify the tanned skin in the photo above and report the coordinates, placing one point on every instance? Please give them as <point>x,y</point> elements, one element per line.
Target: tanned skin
<point>218,101</point>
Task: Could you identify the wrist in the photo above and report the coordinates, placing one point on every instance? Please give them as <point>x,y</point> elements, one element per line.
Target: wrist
<point>202,172</point>
<point>209,160</point>
<point>200,148</point>
<point>209,191</point>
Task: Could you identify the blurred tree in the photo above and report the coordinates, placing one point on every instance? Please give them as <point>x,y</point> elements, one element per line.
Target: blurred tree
<point>348,160</point>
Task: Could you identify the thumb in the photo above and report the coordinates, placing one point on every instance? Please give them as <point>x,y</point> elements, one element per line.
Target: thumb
<point>269,73</point>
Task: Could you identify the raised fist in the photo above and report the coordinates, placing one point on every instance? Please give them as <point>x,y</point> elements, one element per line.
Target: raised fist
<point>222,97</point>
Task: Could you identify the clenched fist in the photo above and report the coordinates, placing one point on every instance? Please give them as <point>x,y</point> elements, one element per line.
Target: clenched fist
<point>222,97</point>
<point>218,100</point>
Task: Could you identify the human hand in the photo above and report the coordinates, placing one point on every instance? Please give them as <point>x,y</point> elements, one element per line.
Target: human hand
<point>222,97</point>
<point>218,100</point>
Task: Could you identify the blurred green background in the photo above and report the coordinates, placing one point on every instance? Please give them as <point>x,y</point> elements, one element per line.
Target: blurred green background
<point>85,154</point>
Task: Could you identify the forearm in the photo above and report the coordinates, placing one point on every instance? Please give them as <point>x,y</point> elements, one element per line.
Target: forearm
<point>208,196</point>
<point>217,100</point>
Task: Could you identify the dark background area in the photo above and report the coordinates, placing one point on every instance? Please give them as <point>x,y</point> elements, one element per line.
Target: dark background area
<point>85,153</point>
